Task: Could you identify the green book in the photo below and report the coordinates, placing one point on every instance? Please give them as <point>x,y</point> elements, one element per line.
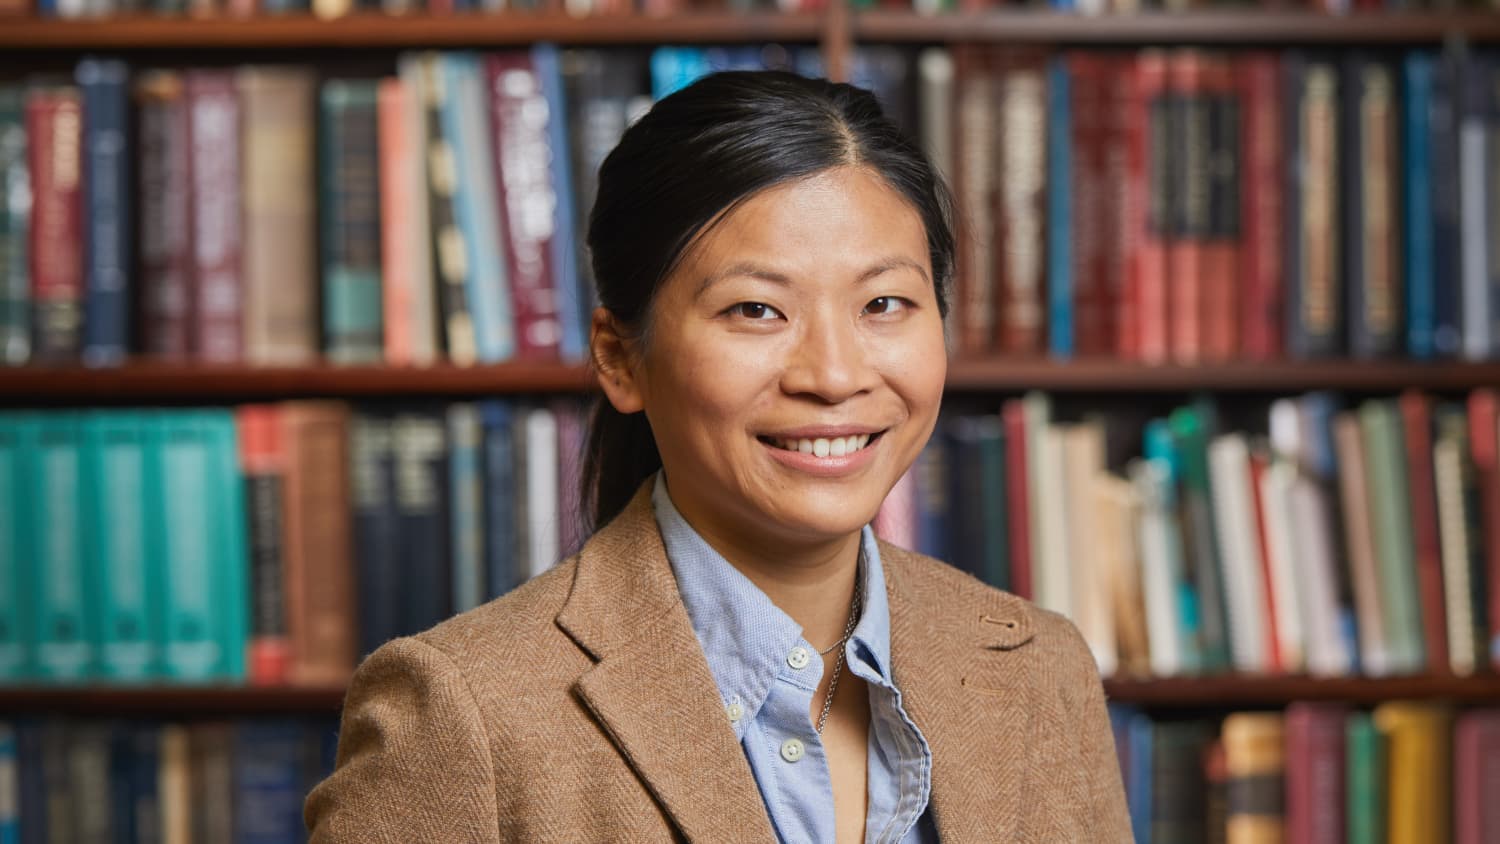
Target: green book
<point>63,626</point>
<point>1364,779</point>
<point>16,520</point>
<point>1390,513</point>
<point>1190,427</point>
<point>200,530</point>
<point>120,561</point>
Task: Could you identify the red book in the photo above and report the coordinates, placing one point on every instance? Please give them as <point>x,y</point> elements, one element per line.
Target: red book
<point>214,213</point>
<point>397,238</point>
<point>1314,773</point>
<point>1221,247</point>
<point>523,171</point>
<point>1091,91</point>
<point>975,160</point>
<point>166,250</point>
<point>263,462</point>
<point>1018,247</point>
<point>1143,326</point>
<point>1476,777</point>
<point>1261,307</point>
<point>1189,204</point>
<point>1017,497</point>
<point>1416,422</point>
<point>1484,415</point>
<point>1259,464</point>
<point>54,133</point>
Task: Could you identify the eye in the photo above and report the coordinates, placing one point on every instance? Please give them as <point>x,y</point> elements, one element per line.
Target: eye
<point>753,311</point>
<point>886,305</point>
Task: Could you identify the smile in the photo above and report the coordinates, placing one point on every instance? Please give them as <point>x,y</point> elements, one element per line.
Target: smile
<point>823,446</point>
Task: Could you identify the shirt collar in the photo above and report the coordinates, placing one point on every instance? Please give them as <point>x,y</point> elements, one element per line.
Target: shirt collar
<point>746,637</point>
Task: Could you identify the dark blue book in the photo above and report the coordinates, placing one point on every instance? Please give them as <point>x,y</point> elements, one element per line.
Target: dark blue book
<point>1416,187</point>
<point>1442,148</point>
<point>269,780</point>
<point>377,542</point>
<point>976,476</point>
<point>499,465</point>
<point>421,454</point>
<point>1371,173</point>
<point>934,505</point>
<point>1139,794</point>
<point>33,785</point>
<point>573,303</point>
<point>134,769</point>
<point>106,203</point>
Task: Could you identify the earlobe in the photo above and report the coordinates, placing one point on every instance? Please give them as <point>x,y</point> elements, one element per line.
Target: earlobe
<point>612,358</point>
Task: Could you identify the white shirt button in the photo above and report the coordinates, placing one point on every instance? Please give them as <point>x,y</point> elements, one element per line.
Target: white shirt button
<point>792,750</point>
<point>736,712</point>
<point>798,658</point>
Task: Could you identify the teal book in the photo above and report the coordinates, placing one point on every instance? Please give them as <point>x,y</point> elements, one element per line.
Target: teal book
<point>1162,448</point>
<point>1364,780</point>
<point>114,475</point>
<point>349,206</point>
<point>199,506</point>
<point>15,548</point>
<point>64,628</point>
<point>1191,429</point>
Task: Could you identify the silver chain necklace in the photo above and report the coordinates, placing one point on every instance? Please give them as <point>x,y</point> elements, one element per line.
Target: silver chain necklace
<point>838,665</point>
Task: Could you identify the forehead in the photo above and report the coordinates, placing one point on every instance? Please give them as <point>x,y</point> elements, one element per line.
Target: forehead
<point>843,216</point>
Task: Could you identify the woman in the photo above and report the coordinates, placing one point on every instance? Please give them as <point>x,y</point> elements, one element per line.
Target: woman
<point>733,656</point>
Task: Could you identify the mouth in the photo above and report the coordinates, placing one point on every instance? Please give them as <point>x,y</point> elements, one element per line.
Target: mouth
<point>824,446</point>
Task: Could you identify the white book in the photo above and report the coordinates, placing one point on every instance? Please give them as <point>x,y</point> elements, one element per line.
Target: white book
<point>1163,621</point>
<point>1463,650</point>
<point>543,531</point>
<point>1239,548</point>
<point>1117,508</point>
<point>1312,530</point>
<point>1037,412</point>
<point>1282,564</point>
<point>1475,238</point>
<point>422,298</point>
<point>1089,588</point>
<point>1052,576</point>
<point>935,75</point>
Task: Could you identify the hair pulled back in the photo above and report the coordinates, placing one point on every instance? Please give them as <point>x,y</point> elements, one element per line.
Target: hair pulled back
<point>696,154</point>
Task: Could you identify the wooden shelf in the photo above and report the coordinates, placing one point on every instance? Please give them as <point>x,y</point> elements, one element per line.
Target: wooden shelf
<point>1216,692</point>
<point>168,701</point>
<point>1206,27</point>
<point>384,31</point>
<point>1199,693</point>
<point>146,382</point>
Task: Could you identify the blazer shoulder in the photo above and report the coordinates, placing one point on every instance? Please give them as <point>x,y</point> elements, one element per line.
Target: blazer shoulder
<point>521,621</point>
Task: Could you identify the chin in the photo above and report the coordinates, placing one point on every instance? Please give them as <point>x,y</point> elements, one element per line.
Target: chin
<point>825,516</point>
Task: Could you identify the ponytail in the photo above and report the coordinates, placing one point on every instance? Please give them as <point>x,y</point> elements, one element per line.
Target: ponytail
<point>621,456</point>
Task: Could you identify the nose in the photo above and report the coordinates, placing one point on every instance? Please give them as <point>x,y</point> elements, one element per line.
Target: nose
<point>829,362</point>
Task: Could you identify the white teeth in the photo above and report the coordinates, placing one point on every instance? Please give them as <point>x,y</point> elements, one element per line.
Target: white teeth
<point>826,446</point>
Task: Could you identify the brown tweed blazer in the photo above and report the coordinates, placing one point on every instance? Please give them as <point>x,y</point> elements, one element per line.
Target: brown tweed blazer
<point>580,708</point>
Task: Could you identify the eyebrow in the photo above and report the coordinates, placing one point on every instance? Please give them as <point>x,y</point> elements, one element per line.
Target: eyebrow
<point>754,270</point>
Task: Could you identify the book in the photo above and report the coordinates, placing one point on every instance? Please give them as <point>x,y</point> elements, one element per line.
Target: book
<point>1417,429</point>
<point>10,786</point>
<point>420,448</point>
<point>1419,759</point>
<point>1476,776</point>
<point>1178,787</point>
<point>213,147</point>
<point>413,329</point>
<point>1375,658</point>
<point>466,503</point>
<point>1462,538</point>
<point>108,206</point>
<point>1151,481</point>
<point>166,304</point>
<point>1061,242</point>
<point>15,224</point>
<point>1260,271</point>
<point>64,635</point>
<point>123,553</point>
<point>1315,786</point>
<point>1144,326</point>
<point>1191,429</point>
<point>1240,549</point>
<point>54,134</point>
<point>349,188</point>
<point>1371,228</point>
<point>1019,238</point>
<point>1255,759</point>
<point>211,780</point>
<point>500,494</point>
<point>267,766</point>
<point>263,464</point>
<point>1312,212</point>
<point>1418,227</point>
<point>1390,514</point>
<point>375,528</point>
<point>16,569</point>
<point>279,230</point>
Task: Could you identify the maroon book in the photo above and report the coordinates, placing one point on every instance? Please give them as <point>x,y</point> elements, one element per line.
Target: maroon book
<point>1260,260</point>
<point>214,214</point>
<point>166,248</point>
<point>54,132</point>
<point>1416,422</point>
<point>1484,413</point>
<point>1017,497</point>
<point>1094,201</point>
<point>1476,777</point>
<point>1315,773</point>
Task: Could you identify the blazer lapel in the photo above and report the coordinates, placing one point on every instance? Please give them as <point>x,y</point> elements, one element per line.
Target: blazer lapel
<point>966,680</point>
<point>651,688</point>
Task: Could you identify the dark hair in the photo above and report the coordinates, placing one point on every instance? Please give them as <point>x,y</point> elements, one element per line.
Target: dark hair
<point>696,154</point>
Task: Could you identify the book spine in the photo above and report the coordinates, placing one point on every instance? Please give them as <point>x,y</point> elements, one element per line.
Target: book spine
<point>1392,516</point>
<point>280,230</point>
<point>465,494</point>
<point>573,304</point>
<point>262,453</point>
<point>1254,754</point>
<point>54,127</point>
<point>1260,270</point>
<point>376,532</point>
<point>1372,262</point>
<point>398,228</point>
<point>1454,481</point>
<point>1151,168</point>
<point>1315,773</point>
<point>10,786</point>
<point>450,263</point>
<point>1018,498</point>
<point>974,181</point>
<point>1478,338</point>
<point>66,635</point>
<point>523,160</point>
<point>476,207</point>
<point>1060,177</point>
<point>1484,442</point>
<point>16,570</point>
<point>1416,418</point>
<point>543,537</point>
<point>1443,118</point>
<point>418,310</point>
<point>501,574</point>
<point>1222,247</point>
<point>1188,430</point>
<point>106,179</point>
<point>995,565</point>
<point>319,577</point>
<point>1416,189</point>
<point>168,326</point>
<point>215,214</point>
<point>1188,203</point>
<point>1019,241</point>
<point>350,204</point>
<point>572,444</point>
<point>1314,300</point>
<point>421,501</point>
<point>15,223</point>
<point>114,474</point>
<point>268,761</point>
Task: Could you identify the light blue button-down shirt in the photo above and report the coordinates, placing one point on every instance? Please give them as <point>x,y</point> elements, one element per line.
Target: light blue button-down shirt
<point>752,649</point>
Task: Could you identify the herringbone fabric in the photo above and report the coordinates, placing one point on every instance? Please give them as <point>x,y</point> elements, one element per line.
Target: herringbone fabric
<point>580,708</point>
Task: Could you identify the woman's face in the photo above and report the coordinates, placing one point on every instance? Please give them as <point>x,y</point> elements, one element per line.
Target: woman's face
<point>795,361</point>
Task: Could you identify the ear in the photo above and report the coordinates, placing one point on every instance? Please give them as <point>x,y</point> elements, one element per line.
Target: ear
<point>614,362</point>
